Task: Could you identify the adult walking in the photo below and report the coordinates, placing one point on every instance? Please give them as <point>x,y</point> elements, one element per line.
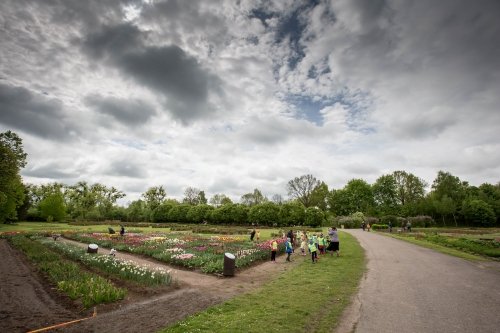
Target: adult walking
<point>334,245</point>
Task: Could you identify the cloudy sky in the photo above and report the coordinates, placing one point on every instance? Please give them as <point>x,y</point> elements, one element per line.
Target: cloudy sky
<point>227,96</point>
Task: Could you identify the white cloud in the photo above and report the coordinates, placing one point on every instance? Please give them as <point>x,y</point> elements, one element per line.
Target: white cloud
<point>384,86</point>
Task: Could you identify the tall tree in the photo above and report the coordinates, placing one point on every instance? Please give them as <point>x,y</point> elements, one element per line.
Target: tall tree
<point>356,196</point>
<point>301,188</point>
<point>81,200</point>
<point>319,196</point>
<point>193,196</point>
<point>220,199</point>
<point>154,197</point>
<point>409,188</point>
<point>385,195</point>
<point>12,159</point>
<point>277,199</point>
<point>448,193</point>
<point>52,207</point>
<point>252,199</point>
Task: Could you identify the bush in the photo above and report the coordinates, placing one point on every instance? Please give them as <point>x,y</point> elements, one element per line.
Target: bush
<point>264,214</point>
<point>379,226</point>
<point>394,220</point>
<point>347,221</point>
<point>421,221</point>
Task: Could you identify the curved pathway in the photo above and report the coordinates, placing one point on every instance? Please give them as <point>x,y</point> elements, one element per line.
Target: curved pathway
<point>408,288</point>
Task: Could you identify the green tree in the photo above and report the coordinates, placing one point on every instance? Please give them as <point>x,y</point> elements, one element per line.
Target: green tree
<point>292,213</point>
<point>230,214</point>
<point>448,192</point>
<point>491,195</point>
<point>178,213</point>
<point>81,199</point>
<point>409,188</point>
<point>193,196</point>
<point>385,195</point>
<point>266,213</point>
<point>12,159</point>
<point>314,217</point>
<point>356,196</point>
<point>252,199</point>
<point>136,211</point>
<point>161,213</point>
<point>319,196</point>
<point>154,197</point>
<point>105,198</point>
<point>478,213</point>
<point>220,199</point>
<point>199,213</point>
<point>52,207</point>
<point>302,188</point>
<point>445,206</point>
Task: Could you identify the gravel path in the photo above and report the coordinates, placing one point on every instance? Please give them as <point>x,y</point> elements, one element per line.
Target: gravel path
<point>408,288</point>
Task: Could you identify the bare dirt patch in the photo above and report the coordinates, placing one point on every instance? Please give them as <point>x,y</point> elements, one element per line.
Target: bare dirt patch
<point>27,301</point>
<point>142,310</point>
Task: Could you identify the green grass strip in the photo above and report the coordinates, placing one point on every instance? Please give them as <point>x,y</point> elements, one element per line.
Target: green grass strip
<point>437,247</point>
<point>307,298</point>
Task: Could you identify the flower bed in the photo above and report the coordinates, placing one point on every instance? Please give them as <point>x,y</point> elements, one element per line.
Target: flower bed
<point>89,288</point>
<point>120,268</point>
<point>191,251</point>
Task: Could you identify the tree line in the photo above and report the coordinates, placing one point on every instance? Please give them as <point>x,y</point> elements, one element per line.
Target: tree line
<point>450,200</point>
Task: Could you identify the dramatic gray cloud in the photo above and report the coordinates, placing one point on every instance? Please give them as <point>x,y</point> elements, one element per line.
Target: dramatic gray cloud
<point>228,96</point>
<point>126,168</point>
<point>168,69</point>
<point>132,112</point>
<point>50,171</point>
<point>35,114</point>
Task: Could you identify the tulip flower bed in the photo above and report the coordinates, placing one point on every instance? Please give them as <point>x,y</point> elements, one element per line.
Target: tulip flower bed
<point>90,289</point>
<point>116,267</point>
<point>205,253</point>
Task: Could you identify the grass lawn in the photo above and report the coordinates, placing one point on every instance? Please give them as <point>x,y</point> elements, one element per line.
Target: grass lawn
<point>60,227</point>
<point>437,247</point>
<point>471,244</point>
<point>308,298</point>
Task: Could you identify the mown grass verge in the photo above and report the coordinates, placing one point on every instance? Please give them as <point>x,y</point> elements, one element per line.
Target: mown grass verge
<point>308,298</point>
<point>421,241</point>
<point>90,289</point>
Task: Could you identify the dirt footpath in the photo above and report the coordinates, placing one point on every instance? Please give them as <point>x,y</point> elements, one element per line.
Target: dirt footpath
<point>138,313</point>
<point>25,303</point>
<point>408,288</point>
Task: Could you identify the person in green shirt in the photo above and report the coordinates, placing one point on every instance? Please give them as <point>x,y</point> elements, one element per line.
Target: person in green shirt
<point>313,250</point>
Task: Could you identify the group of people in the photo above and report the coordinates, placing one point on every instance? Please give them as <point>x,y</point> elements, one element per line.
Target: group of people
<point>312,244</point>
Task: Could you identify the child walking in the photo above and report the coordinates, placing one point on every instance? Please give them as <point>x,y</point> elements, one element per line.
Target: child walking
<point>303,245</point>
<point>288,249</point>
<point>274,249</point>
<point>321,244</point>
<point>313,250</point>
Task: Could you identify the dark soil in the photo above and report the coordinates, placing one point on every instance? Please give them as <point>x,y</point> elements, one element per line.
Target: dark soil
<point>28,302</point>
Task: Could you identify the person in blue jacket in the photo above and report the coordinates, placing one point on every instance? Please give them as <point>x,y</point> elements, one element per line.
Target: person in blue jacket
<point>288,249</point>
